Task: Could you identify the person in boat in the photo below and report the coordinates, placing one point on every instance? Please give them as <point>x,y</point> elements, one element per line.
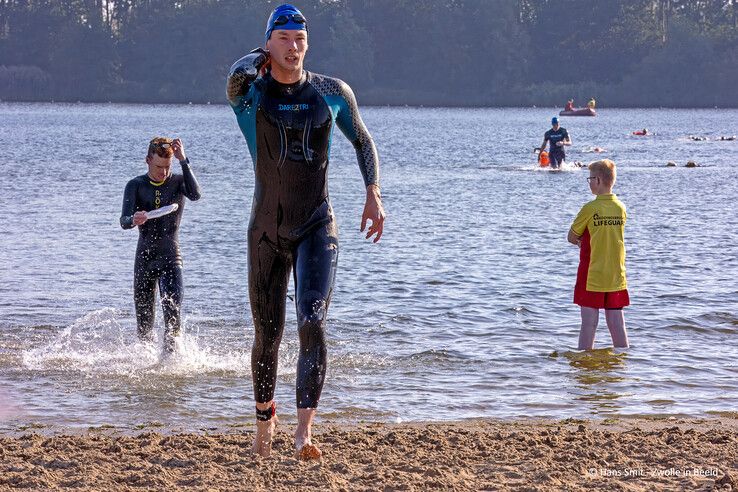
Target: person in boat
<point>569,105</point>
<point>592,103</point>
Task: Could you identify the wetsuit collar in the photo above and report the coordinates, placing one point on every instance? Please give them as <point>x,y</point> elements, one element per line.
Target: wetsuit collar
<point>289,89</point>
<point>157,183</point>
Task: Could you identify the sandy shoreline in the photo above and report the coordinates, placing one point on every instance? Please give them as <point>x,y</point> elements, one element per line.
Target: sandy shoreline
<point>543,455</point>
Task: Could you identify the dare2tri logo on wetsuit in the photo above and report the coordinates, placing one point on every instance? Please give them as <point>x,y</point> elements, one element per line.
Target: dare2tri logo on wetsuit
<point>293,107</point>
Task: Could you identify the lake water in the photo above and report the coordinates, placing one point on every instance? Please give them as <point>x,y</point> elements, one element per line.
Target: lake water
<point>464,309</point>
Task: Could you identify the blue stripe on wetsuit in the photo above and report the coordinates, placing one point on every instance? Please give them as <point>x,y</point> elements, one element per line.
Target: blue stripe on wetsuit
<point>246,117</point>
<point>341,116</point>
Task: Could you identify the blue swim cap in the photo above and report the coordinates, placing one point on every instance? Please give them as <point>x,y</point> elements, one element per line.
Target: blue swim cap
<point>286,17</point>
<point>554,121</point>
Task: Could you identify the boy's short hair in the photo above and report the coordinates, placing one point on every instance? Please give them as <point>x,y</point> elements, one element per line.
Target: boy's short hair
<point>161,146</point>
<point>605,170</point>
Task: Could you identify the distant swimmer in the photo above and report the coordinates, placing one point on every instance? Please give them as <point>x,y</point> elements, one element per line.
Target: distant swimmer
<point>557,137</point>
<point>601,284</point>
<point>287,116</point>
<point>158,259</point>
<point>597,150</point>
<point>727,139</point>
<point>697,138</point>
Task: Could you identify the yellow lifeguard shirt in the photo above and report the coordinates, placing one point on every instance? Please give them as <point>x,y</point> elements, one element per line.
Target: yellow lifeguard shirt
<point>604,219</point>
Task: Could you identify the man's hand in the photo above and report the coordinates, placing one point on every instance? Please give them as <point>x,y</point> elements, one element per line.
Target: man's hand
<point>373,211</point>
<point>139,218</point>
<point>178,149</point>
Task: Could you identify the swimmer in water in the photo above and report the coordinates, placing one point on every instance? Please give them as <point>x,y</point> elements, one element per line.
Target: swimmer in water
<point>287,116</point>
<point>158,259</point>
<point>557,137</point>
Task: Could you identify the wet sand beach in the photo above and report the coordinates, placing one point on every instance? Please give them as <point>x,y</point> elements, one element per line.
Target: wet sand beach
<point>609,455</point>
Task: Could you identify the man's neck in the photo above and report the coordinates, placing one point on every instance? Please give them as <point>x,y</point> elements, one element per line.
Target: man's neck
<point>286,76</point>
<point>151,178</point>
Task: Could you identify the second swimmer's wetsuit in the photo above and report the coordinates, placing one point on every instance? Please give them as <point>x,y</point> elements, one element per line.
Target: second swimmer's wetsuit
<point>288,129</point>
<point>158,258</point>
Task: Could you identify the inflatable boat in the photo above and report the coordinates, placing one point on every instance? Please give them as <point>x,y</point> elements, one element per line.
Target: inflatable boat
<point>578,112</point>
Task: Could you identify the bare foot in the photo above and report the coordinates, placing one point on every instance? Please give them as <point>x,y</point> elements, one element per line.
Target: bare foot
<point>264,434</point>
<point>304,448</point>
<point>307,451</point>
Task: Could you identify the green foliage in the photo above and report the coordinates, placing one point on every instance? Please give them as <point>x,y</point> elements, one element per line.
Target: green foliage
<point>431,52</point>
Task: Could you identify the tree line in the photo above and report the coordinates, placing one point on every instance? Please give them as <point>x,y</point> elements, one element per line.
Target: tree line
<point>674,53</point>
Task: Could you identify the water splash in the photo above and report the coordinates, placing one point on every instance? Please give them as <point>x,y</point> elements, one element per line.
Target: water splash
<point>102,343</point>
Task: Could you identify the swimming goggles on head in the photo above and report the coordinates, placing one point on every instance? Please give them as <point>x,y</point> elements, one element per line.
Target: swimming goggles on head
<point>162,145</point>
<point>285,18</point>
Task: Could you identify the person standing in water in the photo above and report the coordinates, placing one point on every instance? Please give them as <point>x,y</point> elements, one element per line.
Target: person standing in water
<point>287,115</point>
<point>598,231</point>
<point>557,137</point>
<point>158,259</point>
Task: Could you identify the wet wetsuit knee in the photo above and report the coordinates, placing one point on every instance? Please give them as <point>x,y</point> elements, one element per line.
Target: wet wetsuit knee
<point>556,157</point>
<point>158,258</point>
<point>288,129</point>
<point>313,259</point>
<point>167,275</point>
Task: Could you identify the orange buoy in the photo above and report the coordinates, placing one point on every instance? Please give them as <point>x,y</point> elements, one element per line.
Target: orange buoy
<point>543,159</point>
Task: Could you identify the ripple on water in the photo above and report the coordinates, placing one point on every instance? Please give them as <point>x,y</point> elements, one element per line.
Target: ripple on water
<point>455,312</point>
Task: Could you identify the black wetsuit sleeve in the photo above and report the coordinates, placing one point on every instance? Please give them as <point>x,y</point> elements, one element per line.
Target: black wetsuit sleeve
<point>190,186</point>
<point>242,75</point>
<point>350,122</point>
<point>129,205</point>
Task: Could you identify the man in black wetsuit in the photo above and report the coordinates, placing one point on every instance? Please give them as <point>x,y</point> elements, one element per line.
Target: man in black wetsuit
<point>157,256</point>
<point>558,137</point>
<point>287,116</point>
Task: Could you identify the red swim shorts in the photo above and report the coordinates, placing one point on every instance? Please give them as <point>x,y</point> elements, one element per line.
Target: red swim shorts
<point>599,300</point>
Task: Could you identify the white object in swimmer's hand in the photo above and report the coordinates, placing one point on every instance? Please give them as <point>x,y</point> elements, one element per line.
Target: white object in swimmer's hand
<point>160,212</point>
